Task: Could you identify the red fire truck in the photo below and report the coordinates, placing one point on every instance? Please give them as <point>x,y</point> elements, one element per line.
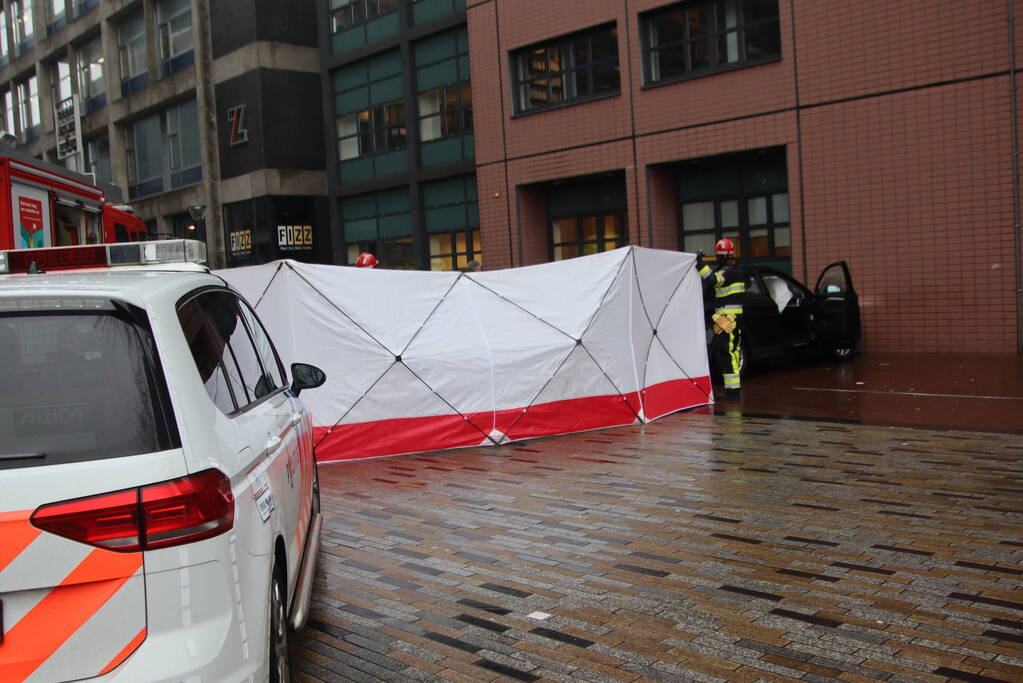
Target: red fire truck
<point>42,205</point>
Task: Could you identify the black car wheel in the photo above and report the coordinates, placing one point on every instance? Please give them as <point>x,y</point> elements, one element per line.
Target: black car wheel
<point>280,672</point>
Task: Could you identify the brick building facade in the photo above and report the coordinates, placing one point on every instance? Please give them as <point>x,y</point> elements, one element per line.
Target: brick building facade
<point>811,130</point>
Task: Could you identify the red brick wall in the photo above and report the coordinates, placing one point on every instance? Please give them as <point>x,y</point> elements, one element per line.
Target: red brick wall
<point>914,191</point>
<point>898,129</point>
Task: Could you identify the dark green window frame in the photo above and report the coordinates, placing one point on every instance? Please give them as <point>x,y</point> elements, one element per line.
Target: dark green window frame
<point>571,236</point>
<point>371,131</point>
<point>574,68</point>
<point>453,250</point>
<point>346,14</point>
<point>692,39</point>
<point>445,111</point>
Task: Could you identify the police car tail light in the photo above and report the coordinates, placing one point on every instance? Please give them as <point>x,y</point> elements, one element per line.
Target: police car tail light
<point>187,509</point>
<point>157,516</point>
<point>109,521</point>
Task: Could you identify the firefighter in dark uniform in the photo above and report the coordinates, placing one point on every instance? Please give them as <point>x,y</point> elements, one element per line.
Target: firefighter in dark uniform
<point>729,290</point>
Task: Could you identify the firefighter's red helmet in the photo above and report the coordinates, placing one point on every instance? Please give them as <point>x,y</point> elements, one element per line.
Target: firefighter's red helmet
<point>366,260</point>
<point>724,247</point>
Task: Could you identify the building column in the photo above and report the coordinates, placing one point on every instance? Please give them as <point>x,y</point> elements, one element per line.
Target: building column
<point>206,106</point>
<point>112,85</point>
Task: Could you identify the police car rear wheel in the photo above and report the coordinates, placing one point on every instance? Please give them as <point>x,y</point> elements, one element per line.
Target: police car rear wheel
<point>280,672</point>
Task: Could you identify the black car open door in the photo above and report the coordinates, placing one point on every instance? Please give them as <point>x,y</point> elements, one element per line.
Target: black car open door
<point>839,306</point>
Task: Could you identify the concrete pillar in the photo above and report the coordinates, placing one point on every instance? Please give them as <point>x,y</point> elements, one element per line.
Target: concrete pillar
<point>112,84</point>
<point>206,107</point>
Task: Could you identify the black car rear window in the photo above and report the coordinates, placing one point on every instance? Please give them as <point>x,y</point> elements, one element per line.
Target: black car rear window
<point>81,385</point>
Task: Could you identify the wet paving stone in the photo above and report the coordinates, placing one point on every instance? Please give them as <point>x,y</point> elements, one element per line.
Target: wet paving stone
<point>698,547</point>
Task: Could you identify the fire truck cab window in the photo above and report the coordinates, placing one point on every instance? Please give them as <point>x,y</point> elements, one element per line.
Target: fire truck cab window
<point>121,232</point>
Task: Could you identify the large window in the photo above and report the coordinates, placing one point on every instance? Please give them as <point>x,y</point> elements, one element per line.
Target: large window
<point>163,151</point>
<point>22,20</point>
<point>578,67</point>
<point>445,96</point>
<point>695,38</point>
<point>378,129</point>
<point>582,235</point>
<point>345,14</point>
<point>744,198</point>
<point>5,47</point>
<point>587,216</point>
<point>7,102</point>
<point>91,86</point>
<point>55,16</point>
<point>370,108</point>
<point>97,158</point>
<point>174,26</point>
<point>452,222</point>
<point>60,80</point>
<point>28,103</point>
<point>182,130</point>
<point>131,50</point>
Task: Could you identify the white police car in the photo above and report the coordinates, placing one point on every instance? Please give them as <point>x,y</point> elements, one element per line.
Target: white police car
<point>159,506</point>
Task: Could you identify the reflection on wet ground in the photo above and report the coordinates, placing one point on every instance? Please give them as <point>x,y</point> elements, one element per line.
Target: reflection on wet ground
<point>699,547</point>
<point>929,390</point>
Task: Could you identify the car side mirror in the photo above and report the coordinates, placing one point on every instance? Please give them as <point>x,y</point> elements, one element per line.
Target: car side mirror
<point>305,376</point>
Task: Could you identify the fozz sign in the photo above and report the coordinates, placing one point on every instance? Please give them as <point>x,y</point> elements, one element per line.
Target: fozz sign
<point>236,119</point>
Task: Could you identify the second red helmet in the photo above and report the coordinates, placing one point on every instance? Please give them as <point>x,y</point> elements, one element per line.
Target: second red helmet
<point>724,247</point>
<point>366,260</point>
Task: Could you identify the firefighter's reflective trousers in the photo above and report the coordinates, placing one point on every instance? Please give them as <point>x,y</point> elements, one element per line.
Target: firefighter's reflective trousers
<point>725,350</point>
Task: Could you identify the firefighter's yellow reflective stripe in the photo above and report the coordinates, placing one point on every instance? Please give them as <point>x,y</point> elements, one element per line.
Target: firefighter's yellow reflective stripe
<point>16,534</point>
<point>731,381</point>
<point>735,309</point>
<point>719,278</point>
<point>734,288</point>
<point>64,610</point>
<point>704,271</point>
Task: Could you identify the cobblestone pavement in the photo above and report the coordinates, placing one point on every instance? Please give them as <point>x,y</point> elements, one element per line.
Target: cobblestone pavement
<point>698,547</point>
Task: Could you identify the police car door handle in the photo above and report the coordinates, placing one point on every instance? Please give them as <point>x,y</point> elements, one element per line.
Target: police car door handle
<point>273,445</point>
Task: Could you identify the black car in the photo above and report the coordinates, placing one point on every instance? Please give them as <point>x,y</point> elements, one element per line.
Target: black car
<point>781,316</point>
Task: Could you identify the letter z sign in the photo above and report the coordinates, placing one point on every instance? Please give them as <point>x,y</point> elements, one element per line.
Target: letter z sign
<point>236,119</point>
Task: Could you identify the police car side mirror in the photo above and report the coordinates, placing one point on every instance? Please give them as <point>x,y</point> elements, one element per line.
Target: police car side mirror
<point>305,376</point>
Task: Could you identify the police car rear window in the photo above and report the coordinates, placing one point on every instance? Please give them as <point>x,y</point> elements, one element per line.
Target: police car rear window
<point>79,385</point>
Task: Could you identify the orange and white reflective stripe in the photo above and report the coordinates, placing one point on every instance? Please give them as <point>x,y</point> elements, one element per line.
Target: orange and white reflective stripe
<point>71,611</point>
<point>16,532</point>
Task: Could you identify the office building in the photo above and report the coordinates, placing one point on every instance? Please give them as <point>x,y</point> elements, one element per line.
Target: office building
<point>206,114</point>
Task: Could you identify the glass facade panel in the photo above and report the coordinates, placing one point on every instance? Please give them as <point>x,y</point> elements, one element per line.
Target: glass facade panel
<point>7,102</point>
<point>131,34</point>
<point>445,93</point>
<point>370,114</point>
<point>22,21</point>
<point>381,223</point>
<point>698,215</point>
<point>5,48</point>
<point>97,158</point>
<point>28,102</point>
<point>174,27</point>
<point>90,69</point>
<point>738,196</point>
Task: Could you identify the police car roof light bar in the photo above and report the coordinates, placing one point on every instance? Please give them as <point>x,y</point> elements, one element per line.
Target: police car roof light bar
<point>103,255</point>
